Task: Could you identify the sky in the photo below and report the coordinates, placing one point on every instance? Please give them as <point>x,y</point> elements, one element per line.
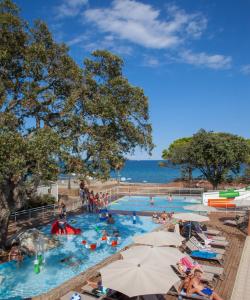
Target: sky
<point>191,57</point>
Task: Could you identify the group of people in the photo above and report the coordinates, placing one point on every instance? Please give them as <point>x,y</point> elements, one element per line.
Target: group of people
<point>162,218</point>
<point>152,202</point>
<point>92,201</point>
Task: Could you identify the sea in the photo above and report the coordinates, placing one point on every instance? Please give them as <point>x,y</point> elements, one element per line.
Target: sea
<point>143,171</point>
<point>150,171</point>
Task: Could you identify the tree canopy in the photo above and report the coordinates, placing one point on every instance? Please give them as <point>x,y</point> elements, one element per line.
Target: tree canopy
<point>53,110</point>
<point>177,154</point>
<point>214,154</point>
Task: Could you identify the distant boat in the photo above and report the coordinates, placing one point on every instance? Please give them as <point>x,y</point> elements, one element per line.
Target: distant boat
<point>144,181</point>
<point>123,178</point>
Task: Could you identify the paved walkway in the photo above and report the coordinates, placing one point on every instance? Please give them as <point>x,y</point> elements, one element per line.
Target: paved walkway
<point>241,288</point>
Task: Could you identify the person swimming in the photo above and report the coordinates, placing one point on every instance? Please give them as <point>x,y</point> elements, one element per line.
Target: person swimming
<point>110,219</point>
<point>151,201</point>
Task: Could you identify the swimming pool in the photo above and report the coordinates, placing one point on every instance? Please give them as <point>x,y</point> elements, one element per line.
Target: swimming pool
<point>21,282</point>
<point>142,203</point>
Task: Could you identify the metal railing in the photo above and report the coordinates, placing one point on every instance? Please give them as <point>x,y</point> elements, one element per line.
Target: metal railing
<point>114,193</point>
<point>42,212</point>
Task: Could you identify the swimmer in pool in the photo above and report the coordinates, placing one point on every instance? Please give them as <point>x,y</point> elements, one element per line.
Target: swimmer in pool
<point>151,201</point>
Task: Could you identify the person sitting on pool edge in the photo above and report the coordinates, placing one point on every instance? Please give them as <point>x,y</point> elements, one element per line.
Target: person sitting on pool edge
<point>155,217</point>
<point>195,286</point>
<point>110,219</point>
<point>164,217</point>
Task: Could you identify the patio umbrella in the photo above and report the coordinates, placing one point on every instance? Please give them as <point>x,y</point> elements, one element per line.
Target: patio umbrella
<point>190,217</point>
<point>158,255</point>
<point>159,238</point>
<point>201,207</point>
<point>133,279</point>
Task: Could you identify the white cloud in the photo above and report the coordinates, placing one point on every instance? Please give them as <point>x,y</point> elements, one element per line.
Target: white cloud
<point>142,24</point>
<point>150,61</point>
<point>245,69</point>
<point>70,8</point>
<point>213,61</point>
<point>107,42</point>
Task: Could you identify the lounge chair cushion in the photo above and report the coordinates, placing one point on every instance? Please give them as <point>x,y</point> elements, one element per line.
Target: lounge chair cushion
<point>203,254</point>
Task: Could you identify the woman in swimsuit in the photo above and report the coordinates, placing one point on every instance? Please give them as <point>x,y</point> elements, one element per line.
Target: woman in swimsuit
<point>195,286</point>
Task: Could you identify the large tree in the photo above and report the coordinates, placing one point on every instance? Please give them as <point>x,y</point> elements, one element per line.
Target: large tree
<point>214,154</point>
<point>217,154</point>
<point>53,110</point>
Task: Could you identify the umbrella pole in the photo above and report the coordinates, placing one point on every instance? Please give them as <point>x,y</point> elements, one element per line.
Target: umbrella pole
<point>189,230</point>
<point>248,228</point>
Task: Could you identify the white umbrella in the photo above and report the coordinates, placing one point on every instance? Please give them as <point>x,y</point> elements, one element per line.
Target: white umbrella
<point>158,255</point>
<point>159,238</point>
<point>190,217</point>
<point>200,207</point>
<point>134,279</point>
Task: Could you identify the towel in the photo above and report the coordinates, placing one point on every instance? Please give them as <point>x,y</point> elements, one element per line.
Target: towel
<point>203,254</point>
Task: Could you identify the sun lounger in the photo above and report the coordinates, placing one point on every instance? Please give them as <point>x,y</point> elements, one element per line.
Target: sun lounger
<point>206,277</point>
<point>230,222</point>
<point>239,221</point>
<point>213,243</point>
<point>206,247</point>
<point>209,269</point>
<point>181,295</point>
<point>212,232</point>
<point>191,247</point>
<point>214,237</point>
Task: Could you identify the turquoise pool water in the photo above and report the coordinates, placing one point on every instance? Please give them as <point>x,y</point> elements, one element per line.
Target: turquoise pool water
<point>21,282</point>
<point>142,203</point>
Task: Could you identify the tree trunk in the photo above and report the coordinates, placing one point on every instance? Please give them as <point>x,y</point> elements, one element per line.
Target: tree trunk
<point>4,223</point>
<point>12,197</point>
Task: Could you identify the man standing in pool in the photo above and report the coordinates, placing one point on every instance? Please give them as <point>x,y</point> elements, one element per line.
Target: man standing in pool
<point>151,201</point>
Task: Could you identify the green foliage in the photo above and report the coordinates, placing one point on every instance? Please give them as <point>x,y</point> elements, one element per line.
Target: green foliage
<point>38,201</point>
<point>215,154</point>
<point>89,118</point>
<point>52,110</point>
<point>177,154</point>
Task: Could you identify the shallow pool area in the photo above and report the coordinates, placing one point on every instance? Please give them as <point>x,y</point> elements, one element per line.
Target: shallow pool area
<point>142,203</point>
<point>69,259</point>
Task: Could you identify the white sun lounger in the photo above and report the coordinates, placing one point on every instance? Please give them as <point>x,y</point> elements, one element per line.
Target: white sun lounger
<point>208,248</point>
<point>213,242</point>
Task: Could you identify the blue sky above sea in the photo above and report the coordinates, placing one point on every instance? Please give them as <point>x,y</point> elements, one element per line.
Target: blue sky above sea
<point>190,57</point>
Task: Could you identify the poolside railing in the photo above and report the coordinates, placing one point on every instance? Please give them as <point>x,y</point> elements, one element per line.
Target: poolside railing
<point>43,212</point>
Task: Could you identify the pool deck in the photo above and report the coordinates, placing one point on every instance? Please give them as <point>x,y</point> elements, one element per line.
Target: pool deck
<point>223,287</point>
<point>241,288</point>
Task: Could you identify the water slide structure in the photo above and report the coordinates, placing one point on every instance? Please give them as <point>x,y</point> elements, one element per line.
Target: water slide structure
<point>225,199</point>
